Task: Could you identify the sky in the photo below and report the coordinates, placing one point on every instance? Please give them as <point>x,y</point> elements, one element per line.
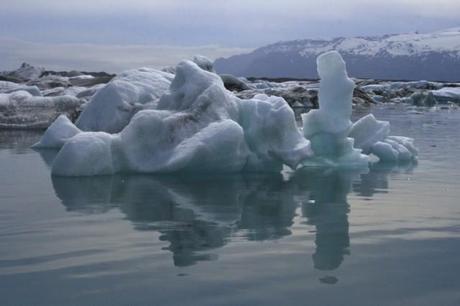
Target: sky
<point>113,35</point>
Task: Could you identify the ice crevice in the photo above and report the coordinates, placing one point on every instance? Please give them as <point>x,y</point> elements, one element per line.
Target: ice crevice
<point>151,121</point>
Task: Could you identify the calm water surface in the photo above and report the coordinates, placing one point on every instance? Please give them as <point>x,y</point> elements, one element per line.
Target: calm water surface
<point>387,237</point>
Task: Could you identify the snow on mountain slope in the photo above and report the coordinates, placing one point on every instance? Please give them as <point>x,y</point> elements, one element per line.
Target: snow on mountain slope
<point>400,44</point>
<point>434,56</point>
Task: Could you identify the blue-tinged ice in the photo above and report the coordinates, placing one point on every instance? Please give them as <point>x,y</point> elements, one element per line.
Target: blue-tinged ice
<point>150,121</point>
<point>328,127</point>
<point>197,125</point>
<point>335,140</point>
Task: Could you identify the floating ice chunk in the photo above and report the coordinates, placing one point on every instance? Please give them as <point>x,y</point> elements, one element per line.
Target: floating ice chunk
<point>403,153</point>
<point>331,132</point>
<point>372,136</point>
<point>10,87</point>
<point>384,151</point>
<point>447,94</point>
<point>50,81</point>
<point>391,150</point>
<point>21,110</point>
<point>61,130</point>
<point>367,131</point>
<point>407,142</point>
<point>113,106</point>
<point>197,126</point>
<point>327,128</point>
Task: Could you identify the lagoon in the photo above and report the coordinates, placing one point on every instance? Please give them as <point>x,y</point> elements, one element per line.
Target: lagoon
<point>389,236</point>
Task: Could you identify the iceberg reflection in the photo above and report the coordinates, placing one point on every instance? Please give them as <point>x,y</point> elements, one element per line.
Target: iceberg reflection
<point>328,211</point>
<point>198,214</point>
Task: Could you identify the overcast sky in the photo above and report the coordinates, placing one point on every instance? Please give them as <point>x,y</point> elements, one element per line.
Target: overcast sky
<point>114,34</point>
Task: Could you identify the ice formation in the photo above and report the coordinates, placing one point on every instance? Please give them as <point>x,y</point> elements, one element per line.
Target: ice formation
<point>10,87</point>
<point>327,127</point>
<point>373,136</point>
<point>143,122</point>
<point>26,72</point>
<point>61,130</point>
<point>335,141</point>
<point>113,106</point>
<point>447,94</point>
<point>21,110</point>
<point>196,126</point>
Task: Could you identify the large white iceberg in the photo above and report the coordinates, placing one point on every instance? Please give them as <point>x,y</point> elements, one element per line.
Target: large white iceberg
<point>196,126</point>
<point>142,122</point>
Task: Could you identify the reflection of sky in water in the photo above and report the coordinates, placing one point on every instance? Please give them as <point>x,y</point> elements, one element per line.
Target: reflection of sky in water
<point>391,232</point>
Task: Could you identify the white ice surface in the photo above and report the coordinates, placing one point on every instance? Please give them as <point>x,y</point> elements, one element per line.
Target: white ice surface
<point>196,126</point>
<point>113,106</point>
<point>447,94</point>
<point>61,130</point>
<point>9,87</point>
<point>327,127</point>
<point>373,136</point>
<point>20,109</point>
<point>367,131</point>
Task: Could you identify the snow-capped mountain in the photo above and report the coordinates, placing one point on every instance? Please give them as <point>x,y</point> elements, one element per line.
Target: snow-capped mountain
<point>430,56</point>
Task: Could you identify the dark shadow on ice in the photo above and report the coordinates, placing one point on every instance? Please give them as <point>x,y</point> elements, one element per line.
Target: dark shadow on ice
<point>196,214</point>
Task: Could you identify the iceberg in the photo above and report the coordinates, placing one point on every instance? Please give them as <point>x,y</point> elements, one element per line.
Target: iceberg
<point>151,121</point>
<point>335,140</point>
<point>328,127</point>
<point>22,110</point>
<point>197,126</point>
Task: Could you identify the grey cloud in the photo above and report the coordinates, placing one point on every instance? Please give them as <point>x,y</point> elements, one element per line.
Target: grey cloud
<point>111,58</point>
<point>226,23</point>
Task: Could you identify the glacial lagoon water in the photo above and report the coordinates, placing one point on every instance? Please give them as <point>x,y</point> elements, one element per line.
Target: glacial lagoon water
<point>315,237</point>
